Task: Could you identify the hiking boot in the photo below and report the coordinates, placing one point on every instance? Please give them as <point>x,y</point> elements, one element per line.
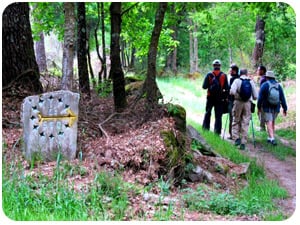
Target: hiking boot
<point>242,146</point>
<point>273,142</point>
<point>237,142</point>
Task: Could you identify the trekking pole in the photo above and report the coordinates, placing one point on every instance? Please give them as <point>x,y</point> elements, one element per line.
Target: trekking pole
<point>225,125</point>
<point>253,137</point>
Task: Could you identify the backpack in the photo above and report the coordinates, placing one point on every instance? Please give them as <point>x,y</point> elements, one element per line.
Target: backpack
<point>273,94</point>
<point>245,90</point>
<point>215,86</point>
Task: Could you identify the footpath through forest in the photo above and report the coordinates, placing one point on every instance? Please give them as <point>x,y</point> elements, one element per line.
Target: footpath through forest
<point>282,170</point>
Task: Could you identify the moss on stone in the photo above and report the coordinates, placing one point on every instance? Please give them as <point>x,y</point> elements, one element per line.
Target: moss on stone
<point>179,115</point>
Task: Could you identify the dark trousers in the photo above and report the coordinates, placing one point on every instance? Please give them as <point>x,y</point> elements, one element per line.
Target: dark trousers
<point>218,108</point>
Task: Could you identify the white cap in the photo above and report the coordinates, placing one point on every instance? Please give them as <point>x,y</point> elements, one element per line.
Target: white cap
<point>216,62</point>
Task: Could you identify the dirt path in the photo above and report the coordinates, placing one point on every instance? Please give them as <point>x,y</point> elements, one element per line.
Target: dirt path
<point>282,170</point>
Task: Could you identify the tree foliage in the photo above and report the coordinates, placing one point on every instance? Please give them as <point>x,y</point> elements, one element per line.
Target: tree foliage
<point>225,30</point>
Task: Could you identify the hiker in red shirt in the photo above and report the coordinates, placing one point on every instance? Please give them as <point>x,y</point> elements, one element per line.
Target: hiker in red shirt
<point>217,87</point>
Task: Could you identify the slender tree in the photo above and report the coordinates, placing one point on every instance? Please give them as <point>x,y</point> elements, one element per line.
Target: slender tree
<point>116,72</point>
<point>103,65</point>
<point>19,62</point>
<point>171,62</point>
<point>150,85</point>
<point>40,53</point>
<point>193,46</point>
<point>260,41</point>
<point>68,49</point>
<point>84,84</point>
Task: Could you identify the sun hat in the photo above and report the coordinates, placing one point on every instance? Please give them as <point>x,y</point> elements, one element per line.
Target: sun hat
<point>270,74</point>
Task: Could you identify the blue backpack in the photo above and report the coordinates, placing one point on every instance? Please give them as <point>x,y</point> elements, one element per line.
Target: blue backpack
<point>245,90</point>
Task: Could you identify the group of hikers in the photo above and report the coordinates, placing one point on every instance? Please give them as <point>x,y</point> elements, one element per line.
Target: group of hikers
<point>236,97</point>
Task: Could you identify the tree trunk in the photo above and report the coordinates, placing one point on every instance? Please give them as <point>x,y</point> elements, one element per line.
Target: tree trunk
<point>19,63</point>
<point>68,49</point>
<point>230,54</point>
<point>260,41</point>
<point>195,50</point>
<point>193,47</point>
<point>150,85</point>
<point>84,84</point>
<point>171,62</point>
<point>132,58</point>
<point>90,65</point>
<point>191,52</point>
<point>104,67</point>
<point>40,53</point>
<point>116,72</point>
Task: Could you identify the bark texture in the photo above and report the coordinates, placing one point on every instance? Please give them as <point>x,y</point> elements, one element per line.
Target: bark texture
<point>150,85</point>
<point>116,72</point>
<point>19,63</point>
<point>68,50</point>
<point>260,41</point>
<point>40,53</point>
<point>84,84</point>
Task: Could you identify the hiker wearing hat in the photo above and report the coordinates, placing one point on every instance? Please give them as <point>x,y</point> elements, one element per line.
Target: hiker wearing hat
<point>244,92</point>
<point>234,74</point>
<point>270,98</point>
<point>217,87</point>
<point>261,72</point>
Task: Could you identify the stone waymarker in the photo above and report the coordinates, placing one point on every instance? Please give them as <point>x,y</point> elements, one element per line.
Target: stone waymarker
<point>50,125</point>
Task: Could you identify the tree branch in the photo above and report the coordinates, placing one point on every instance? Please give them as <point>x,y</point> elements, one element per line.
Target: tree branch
<point>126,10</point>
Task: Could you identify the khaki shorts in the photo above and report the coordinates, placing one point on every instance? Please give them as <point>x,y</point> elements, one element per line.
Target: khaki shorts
<point>270,116</point>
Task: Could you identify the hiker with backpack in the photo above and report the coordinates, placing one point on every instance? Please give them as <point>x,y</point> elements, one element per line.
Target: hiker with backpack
<point>217,87</point>
<point>270,98</point>
<point>261,72</point>
<point>234,74</point>
<point>244,92</point>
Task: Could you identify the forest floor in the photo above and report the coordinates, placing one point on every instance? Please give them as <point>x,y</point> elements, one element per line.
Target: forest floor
<point>109,141</point>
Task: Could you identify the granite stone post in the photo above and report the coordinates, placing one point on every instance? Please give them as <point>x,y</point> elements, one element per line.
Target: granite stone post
<point>49,125</point>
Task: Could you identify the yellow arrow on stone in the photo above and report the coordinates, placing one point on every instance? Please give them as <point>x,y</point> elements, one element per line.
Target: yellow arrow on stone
<point>70,116</point>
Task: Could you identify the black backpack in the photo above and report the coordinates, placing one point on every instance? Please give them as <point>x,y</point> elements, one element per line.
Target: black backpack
<point>215,86</point>
<point>245,90</point>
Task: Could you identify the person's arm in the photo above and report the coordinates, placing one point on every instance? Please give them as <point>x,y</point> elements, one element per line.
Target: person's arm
<point>233,88</point>
<point>282,100</point>
<point>205,84</point>
<point>254,90</point>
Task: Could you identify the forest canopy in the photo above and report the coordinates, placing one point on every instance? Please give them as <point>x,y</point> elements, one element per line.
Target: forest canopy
<point>224,30</point>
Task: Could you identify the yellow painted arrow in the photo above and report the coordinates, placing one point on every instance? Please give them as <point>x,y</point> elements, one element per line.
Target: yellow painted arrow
<point>70,116</point>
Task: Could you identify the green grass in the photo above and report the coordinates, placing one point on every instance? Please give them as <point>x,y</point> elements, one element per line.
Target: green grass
<point>183,91</point>
<point>258,196</point>
<point>252,200</point>
<point>43,198</point>
<point>281,151</point>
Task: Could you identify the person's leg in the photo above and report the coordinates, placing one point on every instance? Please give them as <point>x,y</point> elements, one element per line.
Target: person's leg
<point>270,129</point>
<point>207,115</point>
<point>230,105</point>
<point>262,122</point>
<point>218,118</point>
<point>270,122</point>
<point>236,122</point>
<point>245,119</point>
